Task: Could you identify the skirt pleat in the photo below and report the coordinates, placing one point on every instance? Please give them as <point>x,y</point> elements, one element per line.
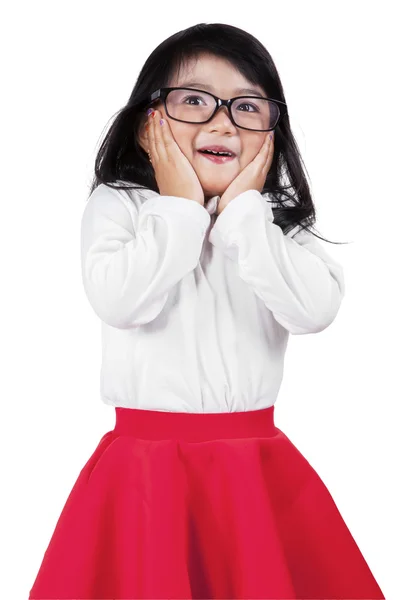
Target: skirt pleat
<point>187,505</point>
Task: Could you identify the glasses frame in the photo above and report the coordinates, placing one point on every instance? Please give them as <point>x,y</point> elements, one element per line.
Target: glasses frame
<point>162,93</point>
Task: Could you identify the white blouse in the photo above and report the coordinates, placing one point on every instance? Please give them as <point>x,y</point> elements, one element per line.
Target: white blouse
<point>195,308</point>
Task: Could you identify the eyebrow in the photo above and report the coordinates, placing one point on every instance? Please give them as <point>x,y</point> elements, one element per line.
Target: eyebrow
<point>211,88</point>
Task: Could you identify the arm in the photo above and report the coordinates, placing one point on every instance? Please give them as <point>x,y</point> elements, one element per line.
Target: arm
<point>292,274</point>
<point>132,254</point>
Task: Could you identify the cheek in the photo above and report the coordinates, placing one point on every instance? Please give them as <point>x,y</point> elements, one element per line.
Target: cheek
<point>182,135</point>
<point>251,146</point>
<point>245,158</point>
<point>250,153</point>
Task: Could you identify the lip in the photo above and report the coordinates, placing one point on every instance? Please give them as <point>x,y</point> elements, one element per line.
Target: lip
<point>219,160</point>
<point>217,148</point>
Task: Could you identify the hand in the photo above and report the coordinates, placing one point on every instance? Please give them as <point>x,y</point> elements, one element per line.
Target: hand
<point>253,175</point>
<point>174,173</point>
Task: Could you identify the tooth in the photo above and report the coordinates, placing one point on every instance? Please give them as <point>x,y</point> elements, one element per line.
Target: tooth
<point>223,153</point>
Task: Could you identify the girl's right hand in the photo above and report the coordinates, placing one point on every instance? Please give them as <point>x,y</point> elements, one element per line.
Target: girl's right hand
<point>174,173</point>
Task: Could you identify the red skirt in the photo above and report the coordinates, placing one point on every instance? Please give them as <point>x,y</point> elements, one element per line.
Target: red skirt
<point>188,505</point>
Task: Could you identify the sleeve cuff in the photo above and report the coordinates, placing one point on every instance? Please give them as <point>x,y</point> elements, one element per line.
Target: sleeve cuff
<point>191,208</point>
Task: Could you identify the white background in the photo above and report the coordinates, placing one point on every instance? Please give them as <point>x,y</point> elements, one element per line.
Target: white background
<point>68,68</point>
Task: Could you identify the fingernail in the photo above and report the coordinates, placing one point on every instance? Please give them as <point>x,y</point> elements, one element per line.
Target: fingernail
<point>161,121</point>
<point>150,110</point>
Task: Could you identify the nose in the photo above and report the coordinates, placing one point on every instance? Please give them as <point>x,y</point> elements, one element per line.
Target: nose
<point>226,114</point>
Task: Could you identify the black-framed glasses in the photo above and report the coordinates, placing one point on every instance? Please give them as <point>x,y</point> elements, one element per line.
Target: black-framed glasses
<point>191,105</point>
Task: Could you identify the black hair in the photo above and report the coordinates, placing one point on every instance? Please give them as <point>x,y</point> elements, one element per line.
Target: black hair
<point>120,157</point>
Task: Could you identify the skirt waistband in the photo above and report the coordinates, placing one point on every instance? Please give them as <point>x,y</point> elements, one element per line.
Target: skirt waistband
<point>194,427</point>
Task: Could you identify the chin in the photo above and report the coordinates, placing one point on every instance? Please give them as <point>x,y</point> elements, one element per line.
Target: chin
<point>210,193</point>
<point>211,189</point>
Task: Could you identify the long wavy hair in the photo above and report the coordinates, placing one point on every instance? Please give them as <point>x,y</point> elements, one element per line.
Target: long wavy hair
<point>120,157</point>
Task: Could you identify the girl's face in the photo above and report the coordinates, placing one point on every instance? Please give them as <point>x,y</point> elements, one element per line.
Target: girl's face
<point>225,82</point>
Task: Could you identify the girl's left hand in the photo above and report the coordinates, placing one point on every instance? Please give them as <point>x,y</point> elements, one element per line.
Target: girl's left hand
<point>253,175</point>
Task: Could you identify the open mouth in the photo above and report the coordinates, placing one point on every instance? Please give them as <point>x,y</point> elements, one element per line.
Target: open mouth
<point>217,157</point>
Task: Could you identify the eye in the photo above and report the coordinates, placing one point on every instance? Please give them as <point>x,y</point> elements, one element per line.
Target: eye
<point>192,97</point>
<point>247,104</point>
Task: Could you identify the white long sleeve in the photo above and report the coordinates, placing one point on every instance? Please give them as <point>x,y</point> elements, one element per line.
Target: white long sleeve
<point>195,308</point>
<point>292,274</point>
<point>133,254</point>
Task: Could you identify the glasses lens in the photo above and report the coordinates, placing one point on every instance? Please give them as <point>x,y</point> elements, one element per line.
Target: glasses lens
<point>255,113</point>
<point>196,107</point>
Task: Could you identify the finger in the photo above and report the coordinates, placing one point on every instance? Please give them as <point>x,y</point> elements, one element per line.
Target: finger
<point>268,143</point>
<point>158,137</point>
<point>170,144</point>
<point>264,150</point>
<point>152,146</point>
<point>270,154</point>
<point>263,157</point>
<point>271,146</point>
<point>166,138</point>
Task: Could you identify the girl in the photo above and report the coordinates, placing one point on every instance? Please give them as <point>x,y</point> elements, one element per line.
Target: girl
<point>198,280</point>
